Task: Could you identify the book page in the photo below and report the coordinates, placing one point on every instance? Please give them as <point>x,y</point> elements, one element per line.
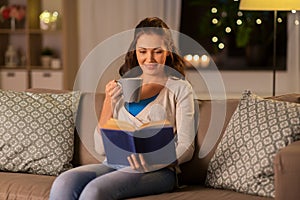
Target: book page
<point>116,124</point>
<point>162,123</point>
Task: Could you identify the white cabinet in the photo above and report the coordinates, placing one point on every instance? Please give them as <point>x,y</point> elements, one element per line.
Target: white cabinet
<point>47,79</point>
<point>13,79</point>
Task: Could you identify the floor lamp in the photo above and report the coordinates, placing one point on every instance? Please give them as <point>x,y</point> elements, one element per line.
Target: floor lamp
<point>271,5</point>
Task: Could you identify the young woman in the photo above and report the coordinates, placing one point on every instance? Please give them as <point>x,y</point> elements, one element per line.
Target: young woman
<point>165,95</point>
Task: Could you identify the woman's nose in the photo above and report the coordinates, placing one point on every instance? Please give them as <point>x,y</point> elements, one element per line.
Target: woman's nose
<point>150,57</point>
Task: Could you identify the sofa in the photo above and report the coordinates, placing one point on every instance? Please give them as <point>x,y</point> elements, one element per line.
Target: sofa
<point>192,179</point>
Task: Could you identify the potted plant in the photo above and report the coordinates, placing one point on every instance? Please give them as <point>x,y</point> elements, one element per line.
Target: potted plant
<point>46,56</point>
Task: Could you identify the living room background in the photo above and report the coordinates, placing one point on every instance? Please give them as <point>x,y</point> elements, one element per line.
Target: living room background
<point>123,15</point>
<point>98,20</point>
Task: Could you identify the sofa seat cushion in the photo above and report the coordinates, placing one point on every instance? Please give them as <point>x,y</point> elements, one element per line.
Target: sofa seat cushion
<point>258,129</point>
<point>23,186</point>
<point>202,193</point>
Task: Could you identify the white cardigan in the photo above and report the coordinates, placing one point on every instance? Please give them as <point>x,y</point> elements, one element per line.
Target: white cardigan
<point>175,103</point>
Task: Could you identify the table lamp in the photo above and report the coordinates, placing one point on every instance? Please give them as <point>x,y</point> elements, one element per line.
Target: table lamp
<point>271,5</point>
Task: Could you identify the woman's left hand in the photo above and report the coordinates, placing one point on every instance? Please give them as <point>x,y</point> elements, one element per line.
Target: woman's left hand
<point>137,162</point>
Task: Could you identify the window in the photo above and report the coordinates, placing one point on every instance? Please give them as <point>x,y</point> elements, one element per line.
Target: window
<point>236,40</point>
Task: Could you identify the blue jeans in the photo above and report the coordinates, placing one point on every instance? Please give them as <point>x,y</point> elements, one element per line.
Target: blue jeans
<point>98,181</point>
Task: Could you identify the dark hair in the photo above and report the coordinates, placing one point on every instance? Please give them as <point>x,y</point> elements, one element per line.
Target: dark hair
<point>153,25</point>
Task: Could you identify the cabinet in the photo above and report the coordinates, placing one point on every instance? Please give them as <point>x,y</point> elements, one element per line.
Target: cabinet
<point>14,79</point>
<point>29,41</point>
<point>47,79</point>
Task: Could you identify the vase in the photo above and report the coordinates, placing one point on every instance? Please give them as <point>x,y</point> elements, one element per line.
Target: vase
<point>13,23</point>
<point>46,61</point>
<point>11,59</point>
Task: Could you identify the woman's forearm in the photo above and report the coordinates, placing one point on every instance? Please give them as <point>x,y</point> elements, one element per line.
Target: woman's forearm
<point>106,113</point>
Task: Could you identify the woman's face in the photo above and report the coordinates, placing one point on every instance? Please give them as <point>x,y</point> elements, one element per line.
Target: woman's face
<point>151,54</point>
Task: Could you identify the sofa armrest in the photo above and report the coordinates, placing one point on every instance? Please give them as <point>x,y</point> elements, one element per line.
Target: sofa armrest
<point>287,172</point>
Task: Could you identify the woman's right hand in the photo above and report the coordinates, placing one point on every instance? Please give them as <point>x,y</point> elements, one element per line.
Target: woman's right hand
<point>113,92</point>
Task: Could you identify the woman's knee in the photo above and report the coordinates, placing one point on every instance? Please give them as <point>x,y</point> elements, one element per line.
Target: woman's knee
<point>70,184</point>
<point>96,191</point>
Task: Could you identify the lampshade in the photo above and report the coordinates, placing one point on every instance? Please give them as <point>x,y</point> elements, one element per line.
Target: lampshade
<point>270,5</point>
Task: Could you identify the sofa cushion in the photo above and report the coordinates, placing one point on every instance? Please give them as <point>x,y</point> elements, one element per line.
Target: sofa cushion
<point>87,116</point>
<point>243,160</point>
<point>86,143</point>
<point>197,192</point>
<point>25,186</point>
<point>37,131</point>
<point>194,171</point>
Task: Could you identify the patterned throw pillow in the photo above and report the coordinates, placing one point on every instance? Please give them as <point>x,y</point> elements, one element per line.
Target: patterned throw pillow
<point>258,129</point>
<point>37,131</point>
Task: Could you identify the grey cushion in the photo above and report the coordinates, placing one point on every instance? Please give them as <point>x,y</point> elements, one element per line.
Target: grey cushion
<point>37,131</point>
<point>258,129</point>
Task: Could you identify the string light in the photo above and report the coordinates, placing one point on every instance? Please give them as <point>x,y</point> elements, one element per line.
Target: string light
<point>215,21</point>
<point>221,45</point>
<point>279,20</point>
<point>197,60</point>
<point>258,21</point>
<point>215,39</point>
<point>224,14</point>
<point>227,29</point>
<point>225,22</point>
<point>188,57</point>
<point>196,57</point>
<point>214,10</point>
<point>239,22</point>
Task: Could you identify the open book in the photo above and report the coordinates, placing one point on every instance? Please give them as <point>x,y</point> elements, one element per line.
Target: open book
<point>155,140</point>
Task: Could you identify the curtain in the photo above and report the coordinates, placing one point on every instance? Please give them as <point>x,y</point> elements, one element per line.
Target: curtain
<point>293,50</point>
<point>100,20</point>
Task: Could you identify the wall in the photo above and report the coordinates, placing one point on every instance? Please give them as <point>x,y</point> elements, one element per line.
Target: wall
<point>235,82</point>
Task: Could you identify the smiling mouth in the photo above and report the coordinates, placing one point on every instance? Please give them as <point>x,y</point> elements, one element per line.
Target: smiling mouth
<point>151,66</point>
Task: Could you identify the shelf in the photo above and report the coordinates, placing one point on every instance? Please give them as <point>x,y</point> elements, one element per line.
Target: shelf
<point>2,68</point>
<point>29,41</point>
<point>9,31</point>
<point>39,31</point>
<point>24,31</point>
<point>45,69</point>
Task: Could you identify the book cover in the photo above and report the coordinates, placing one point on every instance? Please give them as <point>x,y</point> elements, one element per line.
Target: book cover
<point>155,140</point>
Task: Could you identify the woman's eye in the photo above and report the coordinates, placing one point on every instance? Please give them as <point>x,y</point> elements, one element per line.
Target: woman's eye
<point>158,52</point>
<point>142,52</point>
